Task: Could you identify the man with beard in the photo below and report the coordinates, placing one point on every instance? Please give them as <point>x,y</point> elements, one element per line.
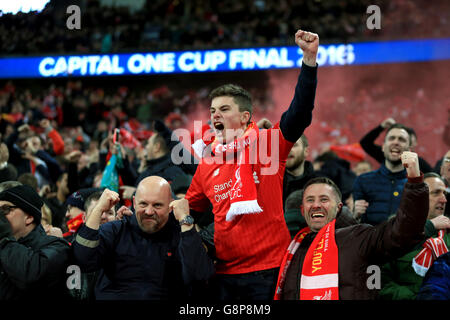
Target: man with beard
<point>153,254</point>
<point>377,193</point>
<point>330,260</point>
<point>298,169</point>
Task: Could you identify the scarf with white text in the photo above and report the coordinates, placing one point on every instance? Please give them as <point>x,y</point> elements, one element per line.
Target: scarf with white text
<point>319,279</point>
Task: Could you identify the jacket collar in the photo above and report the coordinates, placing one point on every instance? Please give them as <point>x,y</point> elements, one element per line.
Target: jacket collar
<point>396,175</point>
<point>35,233</point>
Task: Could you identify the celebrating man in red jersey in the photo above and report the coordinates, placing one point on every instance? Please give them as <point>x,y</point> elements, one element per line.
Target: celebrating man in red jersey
<point>236,175</point>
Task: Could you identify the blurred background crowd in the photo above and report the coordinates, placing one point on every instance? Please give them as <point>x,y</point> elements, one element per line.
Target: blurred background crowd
<point>205,24</point>
<point>62,127</point>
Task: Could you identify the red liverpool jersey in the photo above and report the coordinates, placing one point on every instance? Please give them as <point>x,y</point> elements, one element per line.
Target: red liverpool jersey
<point>249,242</point>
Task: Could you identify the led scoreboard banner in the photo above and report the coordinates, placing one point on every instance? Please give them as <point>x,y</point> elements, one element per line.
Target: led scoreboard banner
<point>222,60</point>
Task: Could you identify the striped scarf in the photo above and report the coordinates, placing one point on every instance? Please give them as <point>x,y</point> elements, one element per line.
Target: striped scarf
<point>433,248</point>
<point>319,279</point>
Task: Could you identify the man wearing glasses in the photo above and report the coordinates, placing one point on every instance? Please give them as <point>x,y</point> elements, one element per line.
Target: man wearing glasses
<point>32,264</point>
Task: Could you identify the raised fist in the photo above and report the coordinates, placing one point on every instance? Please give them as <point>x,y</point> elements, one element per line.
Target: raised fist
<point>387,123</point>
<point>107,200</point>
<point>264,124</point>
<point>123,211</point>
<point>180,208</point>
<point>309,43</point>
<point>360,208</point>
<point>410,161</point>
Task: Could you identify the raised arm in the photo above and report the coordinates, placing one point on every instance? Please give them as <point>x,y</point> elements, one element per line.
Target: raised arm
<point>90,245</point>
<point>299,115</point>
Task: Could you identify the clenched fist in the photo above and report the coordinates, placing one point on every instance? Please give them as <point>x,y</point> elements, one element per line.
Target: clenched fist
<point>410,161</point>
<point>180,208</point>
<point>123,211</point>
<point>360,208</point>
<point>309,43</point>
<point>107,200</point>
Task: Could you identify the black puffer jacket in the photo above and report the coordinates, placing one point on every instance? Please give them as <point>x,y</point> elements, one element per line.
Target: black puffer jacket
<point>34,267</point>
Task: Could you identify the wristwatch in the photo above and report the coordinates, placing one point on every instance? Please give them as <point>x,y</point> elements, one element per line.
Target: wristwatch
<point>188,220</point>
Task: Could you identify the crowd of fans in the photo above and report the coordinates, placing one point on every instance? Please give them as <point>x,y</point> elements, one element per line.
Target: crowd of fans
<point>203,24</point>
<point>60,143</point>
<point>69,142</point>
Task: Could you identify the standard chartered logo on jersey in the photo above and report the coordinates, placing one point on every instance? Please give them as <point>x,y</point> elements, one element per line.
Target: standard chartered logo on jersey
<point>222,190</point>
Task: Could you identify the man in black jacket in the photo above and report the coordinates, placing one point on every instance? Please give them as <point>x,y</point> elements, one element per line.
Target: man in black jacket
<point>153,254</point>
<point>32,264</point>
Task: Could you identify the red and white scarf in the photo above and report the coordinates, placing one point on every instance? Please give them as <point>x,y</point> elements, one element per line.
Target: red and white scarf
<point>319,280</point>
<point>243,194</point>
<point>433,248</point>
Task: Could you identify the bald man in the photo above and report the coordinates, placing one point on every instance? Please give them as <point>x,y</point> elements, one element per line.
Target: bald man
<point>154,254</point>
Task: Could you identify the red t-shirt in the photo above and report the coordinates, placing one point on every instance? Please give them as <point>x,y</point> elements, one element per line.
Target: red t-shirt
<point>250,242</point>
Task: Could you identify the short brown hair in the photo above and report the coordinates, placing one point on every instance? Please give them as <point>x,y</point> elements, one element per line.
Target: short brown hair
<point>324,180</point>
<point>241,97</point>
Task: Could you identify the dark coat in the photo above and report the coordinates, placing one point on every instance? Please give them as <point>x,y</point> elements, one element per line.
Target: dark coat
<point>141,266</point>
<point>363,245</point>
<point>34,267</point>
